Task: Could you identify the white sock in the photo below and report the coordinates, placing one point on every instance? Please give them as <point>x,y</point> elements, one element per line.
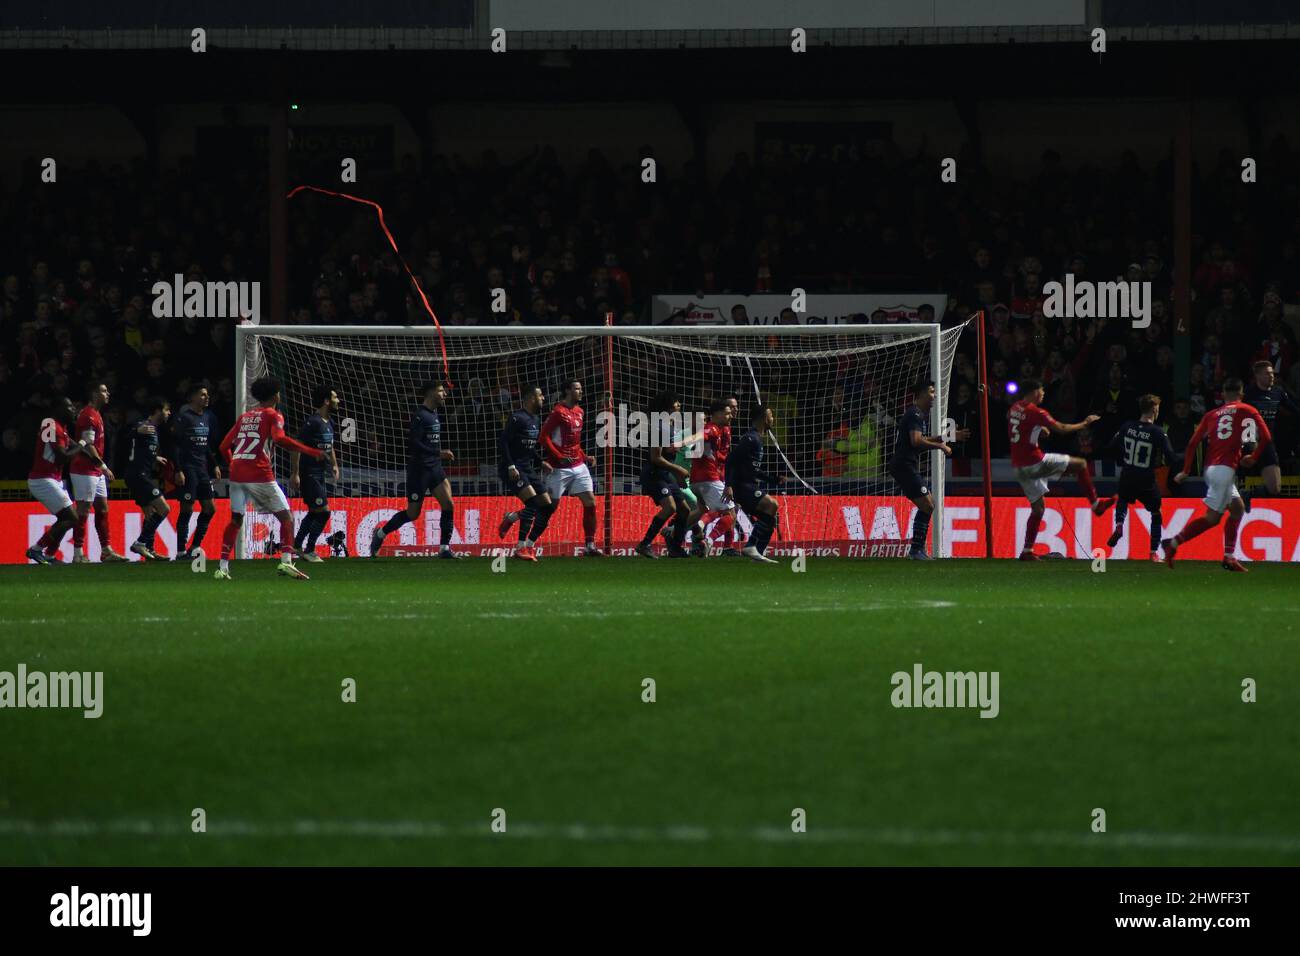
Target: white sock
<point>225,564</point>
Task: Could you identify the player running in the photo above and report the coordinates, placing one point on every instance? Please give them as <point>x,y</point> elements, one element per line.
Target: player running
<point>661,479</point>
<point>142,460</point>
<point>912,442</point>
<point>1227,428</point>
<point>45,479</point>
<point>564,464</point>
<point>1145,447</point>
<point>193,429</point>
<point>307,476</point>
<point>247,446</point>
<point>519,462</point>
<point>1025,423</point>
<point>424,474</point>
<point>709,479</point>
<point>1267,396</point>
<point>90,477</point>
<point>744,472</point>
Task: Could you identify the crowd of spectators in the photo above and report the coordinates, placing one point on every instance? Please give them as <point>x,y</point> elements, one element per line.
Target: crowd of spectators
<point>569,244</point>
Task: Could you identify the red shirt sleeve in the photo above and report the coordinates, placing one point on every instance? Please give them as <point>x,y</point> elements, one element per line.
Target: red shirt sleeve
<point>1265,436</point>
<point>228,441</point>
<point>548,444</point>
<point>284,441</point>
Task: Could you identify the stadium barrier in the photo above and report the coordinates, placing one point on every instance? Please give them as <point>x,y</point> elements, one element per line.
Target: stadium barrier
<point>863,527</point>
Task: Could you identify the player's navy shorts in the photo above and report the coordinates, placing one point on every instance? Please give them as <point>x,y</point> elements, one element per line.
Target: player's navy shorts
<point>197,485</point>
<point>513,486</point>
<point>1267,457</point>
<point>421,479</point>
<point>144,491</point>
<point>1139,486</point>
<point>313,491</point>
<point>908,479</point>
<point>748,496</point>
<point>659,483</point>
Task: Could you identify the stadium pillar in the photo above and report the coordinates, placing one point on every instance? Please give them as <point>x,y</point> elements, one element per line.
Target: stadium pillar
<point>278,188</point>
<point>1182,277</point>
<point>984,441</point>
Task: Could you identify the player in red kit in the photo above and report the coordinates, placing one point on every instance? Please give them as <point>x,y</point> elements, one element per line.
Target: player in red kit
<point>1226,428</point>
<point>45,480</point>
<point>247,446</point>
<point>1026,423</point>
<point>713,499</point>
<point>90,477</point>
<point>564,463</point>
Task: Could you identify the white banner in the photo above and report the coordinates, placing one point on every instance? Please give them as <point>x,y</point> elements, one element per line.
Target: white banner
<point>821,309</point>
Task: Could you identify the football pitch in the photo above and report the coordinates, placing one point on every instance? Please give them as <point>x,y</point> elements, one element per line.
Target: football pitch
<point>520,699</point>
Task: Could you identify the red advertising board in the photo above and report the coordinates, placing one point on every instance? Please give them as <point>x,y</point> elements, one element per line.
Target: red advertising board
<point>821,525</point>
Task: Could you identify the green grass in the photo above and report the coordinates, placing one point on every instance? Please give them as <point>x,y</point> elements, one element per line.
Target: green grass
<point>523,691</point>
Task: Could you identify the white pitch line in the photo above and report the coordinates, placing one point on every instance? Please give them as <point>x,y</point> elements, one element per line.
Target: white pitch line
<point>685,833</point>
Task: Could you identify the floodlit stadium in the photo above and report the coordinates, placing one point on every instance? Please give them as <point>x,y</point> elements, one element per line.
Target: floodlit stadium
<point>500,433</point>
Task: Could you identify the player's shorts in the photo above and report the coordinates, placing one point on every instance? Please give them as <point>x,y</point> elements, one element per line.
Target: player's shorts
<point>144,491</point>
<point>1220,487</point>
<point>1139,486</point>
<point>710,494</point>
<point>661,486</point>
<point>266,496</point>
<point>569,481</point>
<point>196,487</point>
<point>1034,478</point>
<point>909,480</point>
<point>516,486</point>
<point>89,487</point>
<point>1267,457</point>
<point>313,492</point>
<point>748,497</point>
<point>49,492</point>
<point>422,479</point>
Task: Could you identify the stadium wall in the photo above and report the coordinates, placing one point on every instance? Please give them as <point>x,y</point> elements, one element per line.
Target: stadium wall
<point>865,527</point>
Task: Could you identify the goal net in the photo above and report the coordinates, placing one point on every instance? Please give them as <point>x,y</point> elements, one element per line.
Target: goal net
<point>836,393</point>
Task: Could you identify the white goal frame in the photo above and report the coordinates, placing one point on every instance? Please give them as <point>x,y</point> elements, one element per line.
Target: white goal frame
<point>247,334</point>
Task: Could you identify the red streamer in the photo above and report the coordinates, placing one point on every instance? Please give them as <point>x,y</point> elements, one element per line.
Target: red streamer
<point>379,211</point>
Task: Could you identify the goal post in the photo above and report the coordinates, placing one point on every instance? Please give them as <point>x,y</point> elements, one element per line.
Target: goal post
<point>837,392</point>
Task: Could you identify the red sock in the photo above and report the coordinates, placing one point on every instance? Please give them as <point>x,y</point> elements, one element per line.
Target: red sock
<point>101,528</point>
<point>589,522</point>
<point>725,525</point>
<point>79,532</point>
<point>286,537</point>
<point>1230,536</point>
<point>1031,532</point>
<point>1194,527</point>
<point>228,537</point>
<point>1085,481</point>
<point>47,539</point>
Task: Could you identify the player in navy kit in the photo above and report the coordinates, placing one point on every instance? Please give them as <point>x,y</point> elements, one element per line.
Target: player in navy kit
<point>141,462</point>
<point>194,457</point>
<point>309,474</point>
<point>1141,447</point>
<point>519,466</point>
<point>424,474</point>
<point>1267,396</point>
<point>744,472</point>
<point>661,481</point>
<point>912,442</point>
